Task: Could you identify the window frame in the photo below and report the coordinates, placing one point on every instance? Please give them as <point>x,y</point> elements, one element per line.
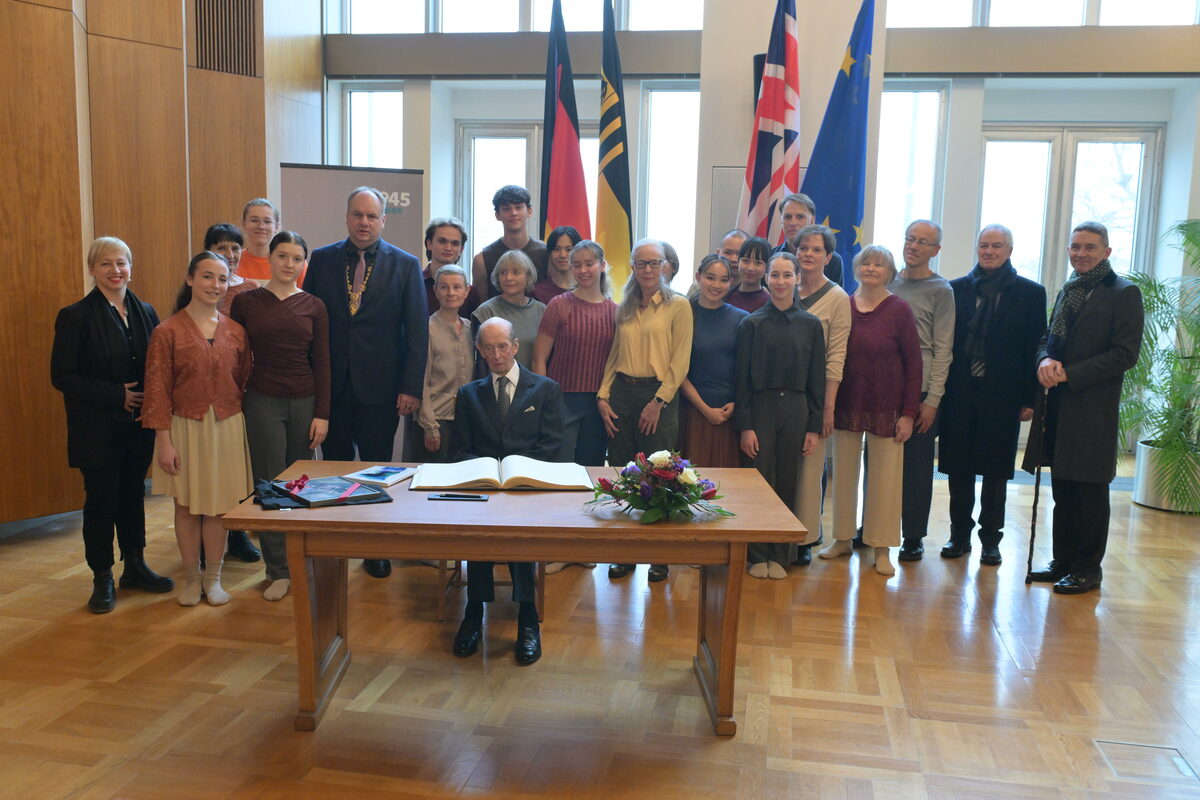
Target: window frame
<point>1064,139</point>
<point>641,178</point>
<point>981,12</point>
<point>943,87</point>
<point>337,123</point>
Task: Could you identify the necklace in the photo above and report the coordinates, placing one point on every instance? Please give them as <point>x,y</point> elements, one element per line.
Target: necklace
<point>356,296</point>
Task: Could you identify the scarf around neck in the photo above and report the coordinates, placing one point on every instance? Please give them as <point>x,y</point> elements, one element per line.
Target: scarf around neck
<point>1074,293</point>
<point>988,285</point>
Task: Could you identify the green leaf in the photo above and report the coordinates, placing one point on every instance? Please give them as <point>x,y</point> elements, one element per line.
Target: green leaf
<point>652,515</point>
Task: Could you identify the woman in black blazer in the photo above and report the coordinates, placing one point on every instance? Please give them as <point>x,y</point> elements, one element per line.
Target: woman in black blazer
<point>97,363</point>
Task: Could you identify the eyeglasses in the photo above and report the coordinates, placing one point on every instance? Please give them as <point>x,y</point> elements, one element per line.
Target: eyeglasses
<point>921,242</point>
<point>489,349</point>
<point>649,263</point>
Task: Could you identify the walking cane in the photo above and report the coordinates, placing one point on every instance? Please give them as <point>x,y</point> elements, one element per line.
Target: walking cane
<point>1037,485</point>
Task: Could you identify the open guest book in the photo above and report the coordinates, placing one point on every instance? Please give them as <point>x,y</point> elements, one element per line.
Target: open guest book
<point>514,472</point>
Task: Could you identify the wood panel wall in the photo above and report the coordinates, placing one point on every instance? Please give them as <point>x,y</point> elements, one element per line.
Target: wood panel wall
<point>104,131</point>
<point>41,225</point>
<point>295,86</point>
<point>226,147</point>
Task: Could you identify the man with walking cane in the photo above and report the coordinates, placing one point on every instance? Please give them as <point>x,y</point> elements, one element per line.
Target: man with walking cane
<point>1095,336</point>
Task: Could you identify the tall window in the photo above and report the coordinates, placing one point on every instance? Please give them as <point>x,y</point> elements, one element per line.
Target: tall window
<point>666,15</point>
<point>930,13</point>
<point>1042,181</point>
<point>496,154</point>
<point>671,142</point>
<point>480,16</point>
<point>376,125</point>
<point>1026,13</point>
<point>910,148</point>
<point>1148,12</point>
<point>386,16</point>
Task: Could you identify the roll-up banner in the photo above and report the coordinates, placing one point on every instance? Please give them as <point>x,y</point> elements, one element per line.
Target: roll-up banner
<point>314,203</point>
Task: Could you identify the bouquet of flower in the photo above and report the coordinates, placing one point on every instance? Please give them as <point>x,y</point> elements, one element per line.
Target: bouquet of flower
<point>662,485</point>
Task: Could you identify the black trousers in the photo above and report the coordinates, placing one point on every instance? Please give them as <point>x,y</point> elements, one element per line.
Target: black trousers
<point>369,427</point>
<point>481,586</point>
<point>779,422</point>
<point>1081,515</point>
<point>991,508</point>
<point>917,494</point>
<point>115,498</point>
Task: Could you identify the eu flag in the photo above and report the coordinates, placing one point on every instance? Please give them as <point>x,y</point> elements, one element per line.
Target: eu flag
<point>837,171</point>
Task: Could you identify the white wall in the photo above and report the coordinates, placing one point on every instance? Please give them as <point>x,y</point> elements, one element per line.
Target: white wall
<point>733,33</point>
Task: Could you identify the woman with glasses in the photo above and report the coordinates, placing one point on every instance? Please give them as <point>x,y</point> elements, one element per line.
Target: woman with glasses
<point>648,361</point>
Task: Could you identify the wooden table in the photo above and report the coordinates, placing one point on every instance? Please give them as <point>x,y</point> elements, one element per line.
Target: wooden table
<point>515,526</point>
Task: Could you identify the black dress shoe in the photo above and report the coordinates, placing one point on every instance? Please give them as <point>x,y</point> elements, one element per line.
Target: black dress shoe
<point>529,645</point>
<point>989,554</point>
<point>857,542</point>
<point>803,555</point>
<point>616,571</point>
<point>377,567</point>
<point>1078,583</point>
<point>104,594</point>
<point>241,548</point>
<point>139,576</point>
<point>1053,572</point>
<point>953,549</point>
<point>658,572</point>
<point>466,641</point>
<point>912,550</point>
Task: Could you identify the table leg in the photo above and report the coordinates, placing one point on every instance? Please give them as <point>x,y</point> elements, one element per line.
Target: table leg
<point>716,648</point>
<point>319,597</point>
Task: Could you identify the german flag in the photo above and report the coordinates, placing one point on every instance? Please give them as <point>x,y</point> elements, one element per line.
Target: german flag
<point>614,228</point>
<point>564,193</point>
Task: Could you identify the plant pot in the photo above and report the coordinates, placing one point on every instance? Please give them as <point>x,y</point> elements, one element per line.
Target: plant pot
<point>1145,482</point>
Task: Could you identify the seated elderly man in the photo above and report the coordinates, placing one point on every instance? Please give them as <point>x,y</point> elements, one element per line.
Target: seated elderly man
<point>511,411</point>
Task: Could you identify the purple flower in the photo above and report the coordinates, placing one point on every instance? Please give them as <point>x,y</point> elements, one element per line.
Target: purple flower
<point>685,464</point>
<point>631,470</point>
<point>705,483</point>
<point>646,491</point>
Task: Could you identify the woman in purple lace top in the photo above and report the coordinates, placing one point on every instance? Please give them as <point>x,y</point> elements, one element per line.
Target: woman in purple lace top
<point>877,400</point>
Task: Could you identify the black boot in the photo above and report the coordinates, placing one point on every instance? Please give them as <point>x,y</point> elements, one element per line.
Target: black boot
<point>139,576</point>
<point>241,548</point>
<point>104,594</point>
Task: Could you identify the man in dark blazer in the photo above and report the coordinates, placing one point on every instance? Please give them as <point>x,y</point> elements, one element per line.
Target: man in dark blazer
<point>999,319</point>
<point>1095,336</point>
<point>512,411</point>
<point>378,336</point>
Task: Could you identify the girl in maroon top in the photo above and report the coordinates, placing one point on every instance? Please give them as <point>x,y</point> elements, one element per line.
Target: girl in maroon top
<point>878,398</point>
<point>558,278</point>
<point>749,294</point>
<point>196,368</point>
<point>572,345</point>
<point>287,398</point>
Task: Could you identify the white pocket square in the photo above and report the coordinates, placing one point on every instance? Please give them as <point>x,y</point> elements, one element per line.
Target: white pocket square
<point>526,411</point>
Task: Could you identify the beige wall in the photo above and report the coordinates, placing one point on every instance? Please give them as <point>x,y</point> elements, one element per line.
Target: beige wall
<point>733,33</point>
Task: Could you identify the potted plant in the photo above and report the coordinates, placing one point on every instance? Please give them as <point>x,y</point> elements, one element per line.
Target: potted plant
<point>1160,403</point>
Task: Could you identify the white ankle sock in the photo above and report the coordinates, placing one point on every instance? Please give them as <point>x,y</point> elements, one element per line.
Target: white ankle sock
<point>840,547</point>
<point>189,595</point>
<point>216,595</point>
<point>776,571</point>
<point>758,570</point>
<point>883,561</point>
<point>277,589</point>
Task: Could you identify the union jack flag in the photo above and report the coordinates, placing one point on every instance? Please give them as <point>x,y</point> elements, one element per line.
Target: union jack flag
<point>773,166</point>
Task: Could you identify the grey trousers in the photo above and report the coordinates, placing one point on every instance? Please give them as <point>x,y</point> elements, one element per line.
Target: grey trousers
<point>277,432</point>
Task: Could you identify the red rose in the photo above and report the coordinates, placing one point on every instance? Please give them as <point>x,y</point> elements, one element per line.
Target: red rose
<point>665,473</point>
<point>709,494</point>
<point>606,484</point>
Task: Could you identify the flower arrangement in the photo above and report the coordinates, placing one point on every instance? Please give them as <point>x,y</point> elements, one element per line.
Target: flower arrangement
<point>662,485</point>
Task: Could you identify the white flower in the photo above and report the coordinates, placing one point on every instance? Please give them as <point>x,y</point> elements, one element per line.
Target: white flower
<point>689,477</point>
<point>660,459</point>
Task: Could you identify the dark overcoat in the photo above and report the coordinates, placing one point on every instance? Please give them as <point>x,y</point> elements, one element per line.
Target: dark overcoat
<point>90,364</point>
<point>534,426</point>
<point>1101,346</point>
<point>979,430</point>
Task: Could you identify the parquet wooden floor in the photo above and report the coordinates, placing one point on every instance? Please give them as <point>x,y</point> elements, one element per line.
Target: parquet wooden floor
<point>950,680</point>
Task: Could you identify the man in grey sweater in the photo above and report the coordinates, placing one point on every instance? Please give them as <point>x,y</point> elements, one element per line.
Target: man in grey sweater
<point>932,302</point>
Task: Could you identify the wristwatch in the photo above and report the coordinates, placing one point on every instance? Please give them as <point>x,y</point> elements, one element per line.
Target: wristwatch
<point>659,400</point>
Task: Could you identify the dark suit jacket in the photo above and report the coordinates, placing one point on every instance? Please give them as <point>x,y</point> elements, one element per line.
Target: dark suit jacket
<point>1102,344</point>
<point>1010,384</point>
<point>90,365</point>
<point>533,428</point>
<point>381,350</point>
